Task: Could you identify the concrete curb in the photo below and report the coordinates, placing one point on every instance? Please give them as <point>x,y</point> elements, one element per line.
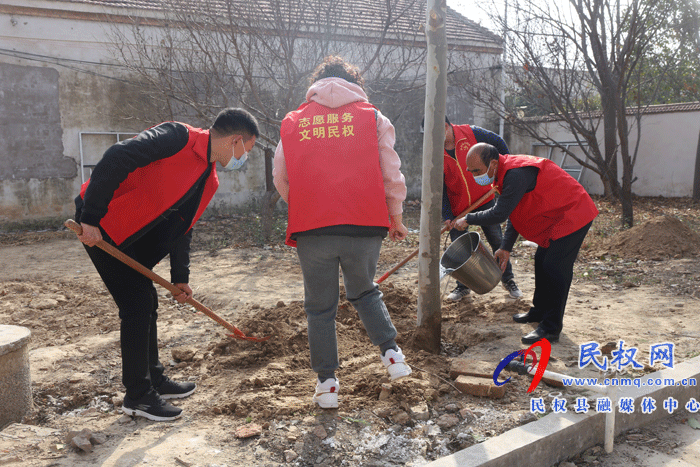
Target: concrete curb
<point>558,436</point>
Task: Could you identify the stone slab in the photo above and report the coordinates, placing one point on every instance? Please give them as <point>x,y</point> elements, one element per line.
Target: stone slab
<point>469,367</point>
<point>13,338</point>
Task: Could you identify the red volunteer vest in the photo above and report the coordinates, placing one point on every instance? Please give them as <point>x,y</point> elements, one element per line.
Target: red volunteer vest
<point>462,190</point>
<point>557,207</point>
<point>150,191</point>
<point>332,158</point>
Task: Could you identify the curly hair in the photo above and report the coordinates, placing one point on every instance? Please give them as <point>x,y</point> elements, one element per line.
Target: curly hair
<point>334,66</point>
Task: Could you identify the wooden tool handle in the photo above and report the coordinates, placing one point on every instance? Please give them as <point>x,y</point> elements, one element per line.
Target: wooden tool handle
<point>129,261</point>
<point>477,203</point>
<point>444,229</point>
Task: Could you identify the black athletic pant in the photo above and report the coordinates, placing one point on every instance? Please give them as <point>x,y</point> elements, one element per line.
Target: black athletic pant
<point>137,300</point>
<point>554,271</point>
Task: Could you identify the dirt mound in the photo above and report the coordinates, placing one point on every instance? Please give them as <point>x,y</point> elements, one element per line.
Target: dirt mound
<point>258,380</point>
<point>279,380</point>
<point>280,366</point>
<point>57,312</point>
<point>660,238</point>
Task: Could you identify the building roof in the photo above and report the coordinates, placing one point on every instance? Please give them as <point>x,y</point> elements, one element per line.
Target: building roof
<point>652,109</point>
<point>360,18</point>
<point>664,108</point>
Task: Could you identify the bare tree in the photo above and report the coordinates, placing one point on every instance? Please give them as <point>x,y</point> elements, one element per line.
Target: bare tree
<point>429,312</point>
<point>201,56</point>
<point>579,60</point>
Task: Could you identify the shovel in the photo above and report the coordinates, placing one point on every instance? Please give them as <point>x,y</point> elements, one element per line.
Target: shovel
<point>548,377</point>
<point>444,229</point>
<point>237,333</point>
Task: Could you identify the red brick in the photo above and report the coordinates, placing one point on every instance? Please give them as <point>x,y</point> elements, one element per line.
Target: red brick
<point>480,387</point>
<point>248,431</point>
<point>469,367</point>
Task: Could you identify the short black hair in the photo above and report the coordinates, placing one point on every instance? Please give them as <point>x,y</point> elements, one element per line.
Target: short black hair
<point>235,120</point>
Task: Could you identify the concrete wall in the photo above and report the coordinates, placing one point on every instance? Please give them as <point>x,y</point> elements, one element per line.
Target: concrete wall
<point>665,163</point>
<point>59,85</point>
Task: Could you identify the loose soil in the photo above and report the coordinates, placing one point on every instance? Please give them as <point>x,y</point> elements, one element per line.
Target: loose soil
<point>641,286</point>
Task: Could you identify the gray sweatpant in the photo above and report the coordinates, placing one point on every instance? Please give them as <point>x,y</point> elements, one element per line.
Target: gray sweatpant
<point>320,257</point>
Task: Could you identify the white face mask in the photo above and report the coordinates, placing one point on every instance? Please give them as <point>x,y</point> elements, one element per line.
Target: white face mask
<point>235,164</point>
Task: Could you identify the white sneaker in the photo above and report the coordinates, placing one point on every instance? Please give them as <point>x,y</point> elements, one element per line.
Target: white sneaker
<point>326,395</point>
<point>395,364</point>
<point>459,293</point>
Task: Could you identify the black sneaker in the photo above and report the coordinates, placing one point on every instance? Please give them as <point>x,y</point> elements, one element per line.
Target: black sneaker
<point>169,389</point>
<point>151,406</point>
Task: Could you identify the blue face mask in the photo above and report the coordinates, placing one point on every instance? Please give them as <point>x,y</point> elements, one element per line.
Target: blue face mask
<point>484,178</point>
<point>235,164</point>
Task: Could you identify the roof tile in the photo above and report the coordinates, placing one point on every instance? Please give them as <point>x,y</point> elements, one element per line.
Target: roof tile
<point>356,16</point>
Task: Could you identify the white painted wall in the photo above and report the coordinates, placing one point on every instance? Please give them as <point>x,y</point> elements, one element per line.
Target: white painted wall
<point>665,162</point>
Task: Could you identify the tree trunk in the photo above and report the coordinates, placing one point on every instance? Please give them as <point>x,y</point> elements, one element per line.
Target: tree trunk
<point>270,199</point>
<point>696,181</point>
<point>627,219</point>
<point>610,141</point>
<point>627,208</point>
<point>429,312</point>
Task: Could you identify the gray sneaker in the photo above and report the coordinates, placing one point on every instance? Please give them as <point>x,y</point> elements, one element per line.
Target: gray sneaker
<point>459,293</point>
<point>512,289</point>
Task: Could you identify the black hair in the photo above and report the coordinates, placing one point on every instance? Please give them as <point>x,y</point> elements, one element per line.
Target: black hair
<point>235,120</point>
<point>488,153</point>
<point>422,122</point>
<point>334,66</point>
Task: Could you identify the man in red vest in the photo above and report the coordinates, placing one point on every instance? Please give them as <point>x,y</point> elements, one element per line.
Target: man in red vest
<point>143,197</point>
<point>460,191</point>
<point>336,167</point>
<point>545,205</point>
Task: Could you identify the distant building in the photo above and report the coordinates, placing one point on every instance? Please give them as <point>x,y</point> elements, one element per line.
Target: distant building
<point>66,95</point>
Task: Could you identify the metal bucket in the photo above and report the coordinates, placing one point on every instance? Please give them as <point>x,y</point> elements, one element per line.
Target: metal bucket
<point>468,261</point>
